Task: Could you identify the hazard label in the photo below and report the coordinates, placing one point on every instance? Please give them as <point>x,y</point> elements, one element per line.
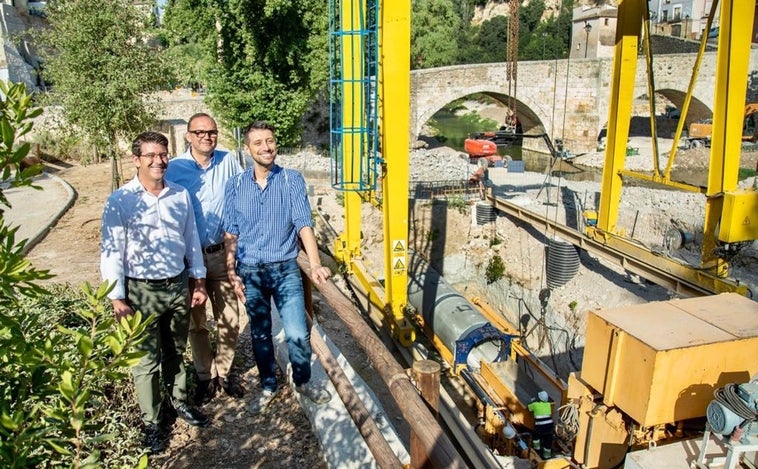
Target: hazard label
<point>398,245</point>
<point>398,265</point>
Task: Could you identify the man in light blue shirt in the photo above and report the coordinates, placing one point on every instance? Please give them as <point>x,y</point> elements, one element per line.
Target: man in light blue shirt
<point>203,171</point>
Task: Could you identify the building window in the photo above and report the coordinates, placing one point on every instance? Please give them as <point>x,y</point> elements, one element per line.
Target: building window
<point>677,13</point>
<point>664,16</point>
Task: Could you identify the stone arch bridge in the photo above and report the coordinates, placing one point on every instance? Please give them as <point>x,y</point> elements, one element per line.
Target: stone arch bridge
<point>568,99</point>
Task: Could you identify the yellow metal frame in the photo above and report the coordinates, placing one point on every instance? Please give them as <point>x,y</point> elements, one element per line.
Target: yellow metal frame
<point>395,118</point>
<point>735,31</point>
<point>394,114</point>
<point>736,22</point>
<point>347,245</point>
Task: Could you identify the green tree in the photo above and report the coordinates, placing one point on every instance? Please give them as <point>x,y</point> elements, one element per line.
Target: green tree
<point>61,361</point>
<point>103,70</point>
<point>265,59</point>
<point>434,25</point>
<point>492,40</point>
<point>549,39</point>
<point>189,33</point>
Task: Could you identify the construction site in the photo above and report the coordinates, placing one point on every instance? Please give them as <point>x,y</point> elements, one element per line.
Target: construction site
<point>671,382</point>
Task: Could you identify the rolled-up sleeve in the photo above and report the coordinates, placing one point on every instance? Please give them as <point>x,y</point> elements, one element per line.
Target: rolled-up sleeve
<point>301,208</point>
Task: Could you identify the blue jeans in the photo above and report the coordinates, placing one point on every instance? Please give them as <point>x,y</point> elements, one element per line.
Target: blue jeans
<point>282,282</point>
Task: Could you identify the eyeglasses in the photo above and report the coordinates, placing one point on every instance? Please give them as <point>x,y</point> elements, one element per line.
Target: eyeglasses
<point>203,133</point>
<point>151,156</point>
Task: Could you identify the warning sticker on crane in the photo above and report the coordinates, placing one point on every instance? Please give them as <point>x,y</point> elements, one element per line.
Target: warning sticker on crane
<point>398,245</point>
<point>398,265</point>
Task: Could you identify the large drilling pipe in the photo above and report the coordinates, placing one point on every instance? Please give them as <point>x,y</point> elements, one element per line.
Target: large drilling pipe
<point>449,315</point>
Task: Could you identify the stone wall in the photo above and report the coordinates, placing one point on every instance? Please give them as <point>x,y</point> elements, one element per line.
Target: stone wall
<point>661,44</point>
<point>567,98</point>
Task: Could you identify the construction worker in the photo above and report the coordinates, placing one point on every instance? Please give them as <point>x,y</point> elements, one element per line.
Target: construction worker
<point>543,425</point>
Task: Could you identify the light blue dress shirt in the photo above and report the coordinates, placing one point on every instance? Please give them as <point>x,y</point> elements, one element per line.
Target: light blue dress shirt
<point>206,188</point>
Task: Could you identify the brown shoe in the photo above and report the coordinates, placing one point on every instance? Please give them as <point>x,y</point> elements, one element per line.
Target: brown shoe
<point>231,387</point>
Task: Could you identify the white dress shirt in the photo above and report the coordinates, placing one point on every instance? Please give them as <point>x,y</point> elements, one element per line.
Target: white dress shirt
<point>147,236</point>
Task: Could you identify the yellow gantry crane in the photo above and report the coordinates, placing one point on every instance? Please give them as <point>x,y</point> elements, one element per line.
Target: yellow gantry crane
<point>731,215</point>
<point>369,52</point>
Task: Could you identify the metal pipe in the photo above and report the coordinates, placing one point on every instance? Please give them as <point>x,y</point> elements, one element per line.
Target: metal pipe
<point>449,315</point>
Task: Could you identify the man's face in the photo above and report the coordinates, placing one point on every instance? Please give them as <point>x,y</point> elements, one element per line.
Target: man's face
<point>261,145</point>
<point>202,136</point>
<point>152,164</point>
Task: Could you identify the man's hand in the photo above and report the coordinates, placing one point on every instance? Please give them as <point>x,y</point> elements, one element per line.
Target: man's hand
<point>238,286</point>
<point>198,292</point>
<point>199,295</point>
<point>320,274</point>
<point>121,309</point>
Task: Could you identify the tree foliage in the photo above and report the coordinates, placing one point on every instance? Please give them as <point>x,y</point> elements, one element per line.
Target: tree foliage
<point>538,39</point>
<point>546,40</point>
<point>267,59</point>
<point>102,68</point>
<point>62,359</point>
<point>189,33</point>
<point>434,27</point>
<point>492,39</point>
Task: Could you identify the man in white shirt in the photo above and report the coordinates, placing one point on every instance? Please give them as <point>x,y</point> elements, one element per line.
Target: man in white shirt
<point>151,253</point>
<point>203,171</point>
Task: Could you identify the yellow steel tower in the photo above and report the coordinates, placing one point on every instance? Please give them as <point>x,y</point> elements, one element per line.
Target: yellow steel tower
<point>358,28</point>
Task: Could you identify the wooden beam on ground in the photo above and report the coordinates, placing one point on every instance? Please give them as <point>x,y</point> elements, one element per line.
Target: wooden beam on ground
<point>366,425</point>
<point>439,448</point>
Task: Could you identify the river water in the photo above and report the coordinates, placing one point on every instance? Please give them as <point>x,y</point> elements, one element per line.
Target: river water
<point>453,129</point>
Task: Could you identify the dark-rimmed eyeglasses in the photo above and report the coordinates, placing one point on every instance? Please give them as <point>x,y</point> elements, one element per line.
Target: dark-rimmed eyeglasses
<point>151,156</point>
<point>203,133</point>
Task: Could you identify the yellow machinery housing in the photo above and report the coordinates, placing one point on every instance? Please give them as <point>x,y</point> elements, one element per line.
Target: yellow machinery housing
<point>649,365</point>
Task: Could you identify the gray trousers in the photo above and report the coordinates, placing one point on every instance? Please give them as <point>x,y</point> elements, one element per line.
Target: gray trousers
<point>165,343</point>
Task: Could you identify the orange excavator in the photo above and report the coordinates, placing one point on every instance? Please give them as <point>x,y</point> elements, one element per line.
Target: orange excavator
<point>699,133</point>
<point>485,144</point>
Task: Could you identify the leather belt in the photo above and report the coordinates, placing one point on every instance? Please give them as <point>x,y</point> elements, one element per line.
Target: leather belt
<point>159,281</point>
<point>213,248</point>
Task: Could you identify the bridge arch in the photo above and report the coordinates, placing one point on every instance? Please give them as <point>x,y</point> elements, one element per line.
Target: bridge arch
<point>568,98</point>
<point>530,121</point>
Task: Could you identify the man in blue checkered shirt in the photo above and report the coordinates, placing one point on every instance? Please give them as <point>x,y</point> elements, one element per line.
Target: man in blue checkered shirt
<point>267,214</point>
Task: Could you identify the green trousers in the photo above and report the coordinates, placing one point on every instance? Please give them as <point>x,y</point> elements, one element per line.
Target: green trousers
<point>165,343</point>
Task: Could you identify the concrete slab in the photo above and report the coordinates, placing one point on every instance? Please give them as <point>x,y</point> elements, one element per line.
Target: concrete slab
<point>340,440</point>
<point>684,455</point>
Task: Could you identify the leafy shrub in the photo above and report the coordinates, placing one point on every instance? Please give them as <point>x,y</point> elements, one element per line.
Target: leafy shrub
<point>64,358</point>
<point>457,202</point>
<point>62,146</point>
<point>66,391</point>
<point>495,269</point>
